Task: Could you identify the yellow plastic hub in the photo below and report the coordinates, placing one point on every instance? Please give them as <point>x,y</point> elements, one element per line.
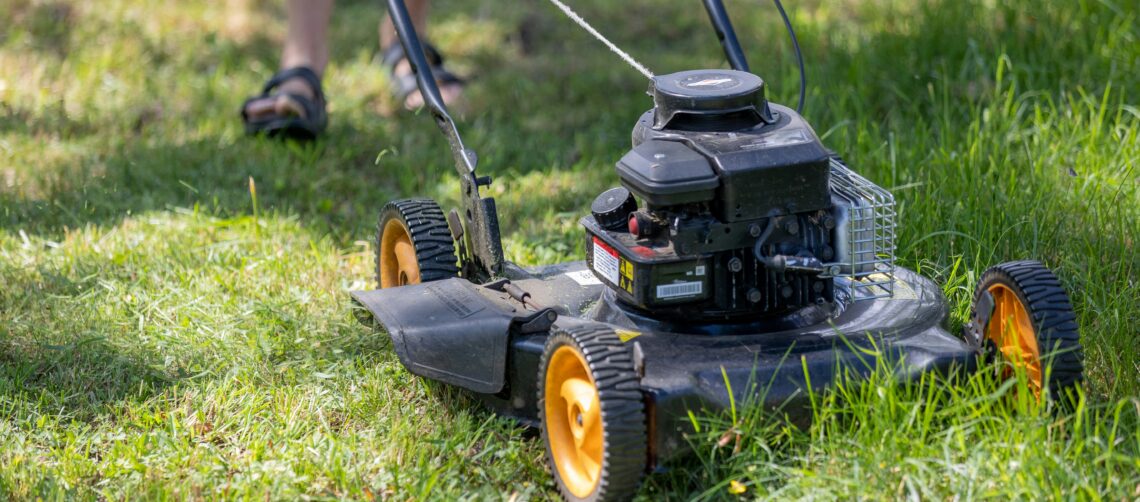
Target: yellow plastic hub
<point>398,264</point>
<point>574,421</point>
<point>1011,330</point>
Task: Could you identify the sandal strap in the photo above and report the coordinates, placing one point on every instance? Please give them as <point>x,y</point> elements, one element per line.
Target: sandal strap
<point>313,110</point>
<point>405,85</point>
<point>393,54</point>
<point>303,72</point>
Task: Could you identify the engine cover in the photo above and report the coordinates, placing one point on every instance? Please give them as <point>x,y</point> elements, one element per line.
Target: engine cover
<point>767,161</point>
<point>738,217</point>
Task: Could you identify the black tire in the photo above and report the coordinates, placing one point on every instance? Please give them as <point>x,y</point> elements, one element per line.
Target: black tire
<point>622,411</point>
<point>426,227</point>
<point>1053,320</point>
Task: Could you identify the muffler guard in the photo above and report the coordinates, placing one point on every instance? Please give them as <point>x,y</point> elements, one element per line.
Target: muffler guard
<point>452,330</point>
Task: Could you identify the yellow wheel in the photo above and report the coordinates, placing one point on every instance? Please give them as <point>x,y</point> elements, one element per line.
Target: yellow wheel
<point>1030,324</point>
<point>593,428</point>
<point>413,244</point>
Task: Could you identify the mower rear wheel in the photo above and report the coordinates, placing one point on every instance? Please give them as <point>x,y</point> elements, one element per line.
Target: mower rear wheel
<point>413,244</point>
<point>1032,326</point>
<point>592,413</point>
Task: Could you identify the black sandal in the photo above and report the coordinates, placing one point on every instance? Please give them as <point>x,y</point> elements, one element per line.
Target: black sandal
<point>290,126</point>
<point>404,85</point>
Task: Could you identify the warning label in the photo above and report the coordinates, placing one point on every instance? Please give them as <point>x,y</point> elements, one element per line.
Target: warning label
<point>626,276</point>
<point>626,335</point>
<point>606,262</point>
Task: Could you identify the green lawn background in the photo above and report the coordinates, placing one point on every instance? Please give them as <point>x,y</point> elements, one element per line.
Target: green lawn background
<point>164,335</point>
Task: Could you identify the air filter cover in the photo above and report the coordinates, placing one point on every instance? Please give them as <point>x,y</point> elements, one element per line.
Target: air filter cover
<point>704,95</point>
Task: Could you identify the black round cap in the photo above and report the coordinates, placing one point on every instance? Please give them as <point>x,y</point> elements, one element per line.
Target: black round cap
<point>611,209</point>
<point>707,92</point>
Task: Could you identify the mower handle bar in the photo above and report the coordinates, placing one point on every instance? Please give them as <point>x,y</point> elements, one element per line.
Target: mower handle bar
<point>726,34</point>
<point>482,249</point>
<point>465,158</point>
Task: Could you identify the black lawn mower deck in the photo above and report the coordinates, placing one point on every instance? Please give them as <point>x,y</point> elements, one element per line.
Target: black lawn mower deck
<point>481,339</point>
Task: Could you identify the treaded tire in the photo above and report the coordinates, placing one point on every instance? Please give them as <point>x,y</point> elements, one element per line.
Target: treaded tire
<point>1053,320</point>
<point>611,369</point>
<point>426,226</point>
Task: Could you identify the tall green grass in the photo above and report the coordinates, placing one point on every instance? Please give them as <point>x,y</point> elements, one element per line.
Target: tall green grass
<point>975,436</point>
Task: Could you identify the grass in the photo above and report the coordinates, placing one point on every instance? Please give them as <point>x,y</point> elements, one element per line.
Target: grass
<point>163,336</point>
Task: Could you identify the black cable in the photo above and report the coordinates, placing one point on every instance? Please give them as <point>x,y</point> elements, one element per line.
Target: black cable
<point>799,55</point>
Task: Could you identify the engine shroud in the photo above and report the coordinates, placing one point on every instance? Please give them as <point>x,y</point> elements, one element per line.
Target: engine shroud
<point>738,217</point>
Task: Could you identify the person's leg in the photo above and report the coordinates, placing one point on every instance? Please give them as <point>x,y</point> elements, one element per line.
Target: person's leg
<point>306,44</point>
<point>418,11</point>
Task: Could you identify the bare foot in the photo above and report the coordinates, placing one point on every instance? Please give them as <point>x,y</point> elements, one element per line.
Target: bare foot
<point>280,104</point>
<point>450,92</point>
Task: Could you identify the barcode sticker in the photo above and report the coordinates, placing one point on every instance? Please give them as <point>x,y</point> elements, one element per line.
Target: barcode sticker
<point>678,289</point>
<point>606,263</point>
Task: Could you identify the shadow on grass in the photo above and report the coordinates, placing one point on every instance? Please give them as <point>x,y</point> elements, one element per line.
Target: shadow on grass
<point>78,380</point>
<point>59,358</point>
<point>141,176</point>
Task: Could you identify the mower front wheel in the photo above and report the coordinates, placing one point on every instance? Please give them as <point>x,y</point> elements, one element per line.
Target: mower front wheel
<point>1022,314</point>
<point>413,244</point>
<point>592,413</point>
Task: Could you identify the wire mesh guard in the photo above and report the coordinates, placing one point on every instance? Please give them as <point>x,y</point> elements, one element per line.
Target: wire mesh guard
<point>866,262</point>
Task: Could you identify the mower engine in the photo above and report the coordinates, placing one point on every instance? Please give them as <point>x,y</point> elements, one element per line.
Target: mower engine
<point>744,213</point>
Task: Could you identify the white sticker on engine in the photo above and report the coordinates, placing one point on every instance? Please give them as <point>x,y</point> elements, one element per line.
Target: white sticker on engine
<point>678,289</point>
<point>606,263</point>
<point>584,278</point>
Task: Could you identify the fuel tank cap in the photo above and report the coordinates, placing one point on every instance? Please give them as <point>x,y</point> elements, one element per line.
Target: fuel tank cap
<point>611,209</point>
<point>714,99</point>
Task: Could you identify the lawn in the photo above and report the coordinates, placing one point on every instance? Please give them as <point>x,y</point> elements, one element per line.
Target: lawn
<point>166,334</point>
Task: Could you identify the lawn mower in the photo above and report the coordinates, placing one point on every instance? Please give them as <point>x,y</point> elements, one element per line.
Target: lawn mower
<point>739,261</point>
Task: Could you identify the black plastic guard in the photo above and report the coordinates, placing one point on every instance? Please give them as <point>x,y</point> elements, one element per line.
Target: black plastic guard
<point>447,330</point>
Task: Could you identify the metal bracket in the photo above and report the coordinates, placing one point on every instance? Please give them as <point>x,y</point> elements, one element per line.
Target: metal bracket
<point>480,217</point>
<point>983,312</point>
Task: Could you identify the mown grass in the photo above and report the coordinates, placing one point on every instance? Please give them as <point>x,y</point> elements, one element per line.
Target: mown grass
<point>159,340</point>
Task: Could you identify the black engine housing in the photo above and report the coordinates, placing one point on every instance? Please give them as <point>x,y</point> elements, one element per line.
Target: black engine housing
<point>737,209</point>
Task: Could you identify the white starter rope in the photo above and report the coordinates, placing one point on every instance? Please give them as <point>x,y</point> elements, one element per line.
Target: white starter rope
<point>622,54</point>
